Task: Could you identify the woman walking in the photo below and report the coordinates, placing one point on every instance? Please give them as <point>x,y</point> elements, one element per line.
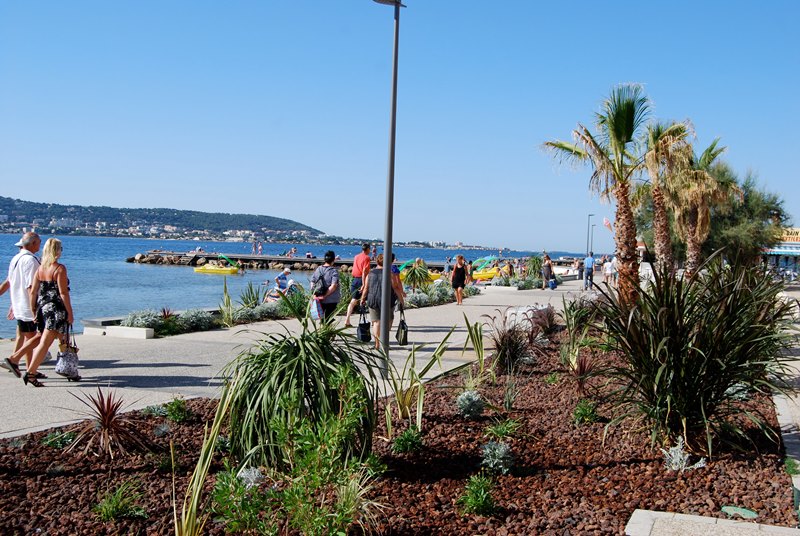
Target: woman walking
<point>373,295</point>
<point>328,276</point>
<point>459,278</point>
<point>547,270</point>
<point>51,304</point>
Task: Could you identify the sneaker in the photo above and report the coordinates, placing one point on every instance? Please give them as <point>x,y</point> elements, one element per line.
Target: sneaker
<point>11,367</point>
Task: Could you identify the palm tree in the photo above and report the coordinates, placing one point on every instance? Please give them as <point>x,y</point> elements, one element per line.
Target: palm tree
<point>613,155</point>
<point>697,189</point>
<point>664,142</point>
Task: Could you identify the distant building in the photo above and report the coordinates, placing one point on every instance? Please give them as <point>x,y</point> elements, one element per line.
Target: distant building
<point>786,252</point>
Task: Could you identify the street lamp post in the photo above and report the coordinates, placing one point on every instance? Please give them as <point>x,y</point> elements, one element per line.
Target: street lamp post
<point>588,220</point>
<point>591,240</point>
<point>386,279</point>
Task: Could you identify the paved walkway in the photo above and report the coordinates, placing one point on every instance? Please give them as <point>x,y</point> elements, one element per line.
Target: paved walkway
<point>154,371</point>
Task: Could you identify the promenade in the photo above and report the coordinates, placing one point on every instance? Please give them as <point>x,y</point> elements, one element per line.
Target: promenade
<point>153,371</point>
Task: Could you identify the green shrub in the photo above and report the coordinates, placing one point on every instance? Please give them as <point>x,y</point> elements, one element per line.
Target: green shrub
<point>471,290</point>
<point>503,429</point>
<point>288,376</point>
<point>687,342</point>
<point>237,502</point>
<point>585,412</point>
<point>58,440</point>
<point>148,318</point>
<point>252,295</point>
<point>177,411</point>
<point>268,311</point>
<point>121,503</point>
<point>417,298</point>
<point>496,457</point>
<point>409,440</point>
<point>157,410</point>
<point>477,497</point>
<point>792,467</point>
<point>510,339</point>
<point>551,379</point>
<point>470,404</point>
<point>243,315</point>
<point>198,320</point>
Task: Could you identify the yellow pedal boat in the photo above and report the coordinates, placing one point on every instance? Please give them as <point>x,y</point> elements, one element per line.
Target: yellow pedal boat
<point>212,269</point>
<point>431,276</point>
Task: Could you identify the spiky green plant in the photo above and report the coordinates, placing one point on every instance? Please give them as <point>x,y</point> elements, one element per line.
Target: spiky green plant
<point>121,503</point>
<point>687,343</point>
<point>477,497</point>
<point>297,366</point>
<point>226,307</point>
<point>252,295</point>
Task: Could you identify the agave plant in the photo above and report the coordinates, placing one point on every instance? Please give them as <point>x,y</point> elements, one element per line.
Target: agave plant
<point>109,428</point>
<point>417,275</point>
<point>252,295</point>
<point>509,338</point>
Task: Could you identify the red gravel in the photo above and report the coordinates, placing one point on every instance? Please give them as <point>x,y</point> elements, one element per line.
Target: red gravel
<point>565,480</point>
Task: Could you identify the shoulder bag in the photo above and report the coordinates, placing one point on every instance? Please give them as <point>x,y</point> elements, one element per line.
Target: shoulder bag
<point>364,334</point>
<point>402,329</point>
<point>67,358</point>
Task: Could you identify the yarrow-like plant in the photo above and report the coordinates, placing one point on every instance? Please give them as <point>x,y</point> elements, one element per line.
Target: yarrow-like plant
<point>677,459</point>
<point>470,404</point>
<point>497,457</point>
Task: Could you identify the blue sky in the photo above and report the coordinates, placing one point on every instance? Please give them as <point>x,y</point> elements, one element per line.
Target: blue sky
<point>282,107</point>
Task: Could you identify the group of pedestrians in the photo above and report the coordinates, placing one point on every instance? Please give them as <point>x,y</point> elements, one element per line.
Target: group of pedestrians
<point>607,266</point>
<point>40,304</point>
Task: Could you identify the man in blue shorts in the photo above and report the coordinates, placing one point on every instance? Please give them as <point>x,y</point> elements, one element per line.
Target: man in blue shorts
<point>588,271</point>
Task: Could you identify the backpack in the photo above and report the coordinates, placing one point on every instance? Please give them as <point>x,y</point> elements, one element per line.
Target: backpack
<point>320,287</point>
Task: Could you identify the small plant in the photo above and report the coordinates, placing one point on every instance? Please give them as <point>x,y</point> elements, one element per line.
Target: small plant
<point>226,306</point>
<point>374,465</point>
<point>497,457</point>
<point>121,503</point>
<point>58,440</point>
<point>156,410</point>
<point>252,295</point>
<point>171,324</point>
<point>485,371</point>
<point>477,497</point>
<point>583,370</point>
<point>148,318</point>
<point>244,315</point>
<point>177,411</point>
<point>198,320</point>
<point>677,459</point>
<point>470,404</point>
<point>108,427</point>
<point>238,503</point>
<point>223,444</point>
<point>792,467</point>
<point>585,412</point>
<point>162,430</point>
<point>509,339</point>
<point>552,378</point>
<point>409,440</point>
<point>510,391</point>
<point>503,429</point>
<point>251,477</point>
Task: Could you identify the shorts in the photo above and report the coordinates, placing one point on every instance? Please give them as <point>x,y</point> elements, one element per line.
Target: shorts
<point>27,326</point>
<point>375,315</point>
<point>355,288</point>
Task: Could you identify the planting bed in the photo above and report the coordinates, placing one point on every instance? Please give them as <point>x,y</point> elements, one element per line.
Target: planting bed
<point>565,478</point>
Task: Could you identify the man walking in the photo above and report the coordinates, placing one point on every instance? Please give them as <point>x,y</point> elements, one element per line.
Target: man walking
<point>21,270</point>
<point>588,274</point>
<point>360,270</point>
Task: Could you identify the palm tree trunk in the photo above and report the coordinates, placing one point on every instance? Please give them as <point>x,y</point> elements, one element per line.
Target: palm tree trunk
<point>625,238</point>
<point>693,244</point>
<point>663,242</point>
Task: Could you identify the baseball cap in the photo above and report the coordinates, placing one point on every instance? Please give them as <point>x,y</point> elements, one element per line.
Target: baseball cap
<point>287,271</point>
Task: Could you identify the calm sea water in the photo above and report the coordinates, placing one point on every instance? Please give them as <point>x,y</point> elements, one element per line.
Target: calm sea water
<point>103,284</point>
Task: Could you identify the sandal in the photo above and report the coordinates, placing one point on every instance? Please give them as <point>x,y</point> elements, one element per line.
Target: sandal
<point>12,367</point>
<point>28,379</point>
<point>40,376</point>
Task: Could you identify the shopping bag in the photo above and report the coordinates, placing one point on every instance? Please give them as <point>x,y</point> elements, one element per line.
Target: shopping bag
<point>402,330</point>
<point>315,309</point>
<point>67,358</point>
<point>364,334</point>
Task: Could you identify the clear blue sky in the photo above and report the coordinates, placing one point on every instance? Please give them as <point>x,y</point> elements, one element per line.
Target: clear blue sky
<point>282,107</point>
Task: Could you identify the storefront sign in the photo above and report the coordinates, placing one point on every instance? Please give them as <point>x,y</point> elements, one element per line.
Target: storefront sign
<point>791,234</point>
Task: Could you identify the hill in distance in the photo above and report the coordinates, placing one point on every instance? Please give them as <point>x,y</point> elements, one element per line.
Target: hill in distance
<point>17,211</point>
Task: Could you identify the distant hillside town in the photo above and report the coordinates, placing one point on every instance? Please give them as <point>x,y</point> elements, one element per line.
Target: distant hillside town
<point>17,216</point>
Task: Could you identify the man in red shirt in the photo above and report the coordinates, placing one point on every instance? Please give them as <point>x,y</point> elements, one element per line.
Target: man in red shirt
<point>360,271</point>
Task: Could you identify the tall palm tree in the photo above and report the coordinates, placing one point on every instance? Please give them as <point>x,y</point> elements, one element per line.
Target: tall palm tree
<point>614,156</point>
<point>664,143</point>
<point>696,190</point>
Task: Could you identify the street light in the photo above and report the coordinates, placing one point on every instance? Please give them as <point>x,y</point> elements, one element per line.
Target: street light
<point>386,280</point>
<point>591,240</point>
<point>589,219</point>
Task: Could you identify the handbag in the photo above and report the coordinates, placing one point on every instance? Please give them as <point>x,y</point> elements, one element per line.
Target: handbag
<point>364,334</point>
<point>67,358</point>
<point>315,309</point>
<point>402,329</point>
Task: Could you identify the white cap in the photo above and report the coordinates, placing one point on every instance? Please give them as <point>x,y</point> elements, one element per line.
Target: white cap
<point>287,271</point>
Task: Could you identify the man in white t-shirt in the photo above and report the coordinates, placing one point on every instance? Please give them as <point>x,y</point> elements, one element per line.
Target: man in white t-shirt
<point>21,271</point>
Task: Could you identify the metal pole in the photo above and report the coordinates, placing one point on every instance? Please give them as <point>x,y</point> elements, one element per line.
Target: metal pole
<point>386,281</point>
<point>588,220</point>
<point>591,240</point>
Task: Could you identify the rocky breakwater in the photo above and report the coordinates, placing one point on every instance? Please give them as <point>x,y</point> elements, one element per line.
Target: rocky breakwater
<point>200,259</point>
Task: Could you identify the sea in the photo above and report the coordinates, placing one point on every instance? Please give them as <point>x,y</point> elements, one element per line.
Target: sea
<point>103,284</point>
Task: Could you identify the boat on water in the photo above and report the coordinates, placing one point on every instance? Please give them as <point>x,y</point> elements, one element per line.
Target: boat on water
<point>213,269</point>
